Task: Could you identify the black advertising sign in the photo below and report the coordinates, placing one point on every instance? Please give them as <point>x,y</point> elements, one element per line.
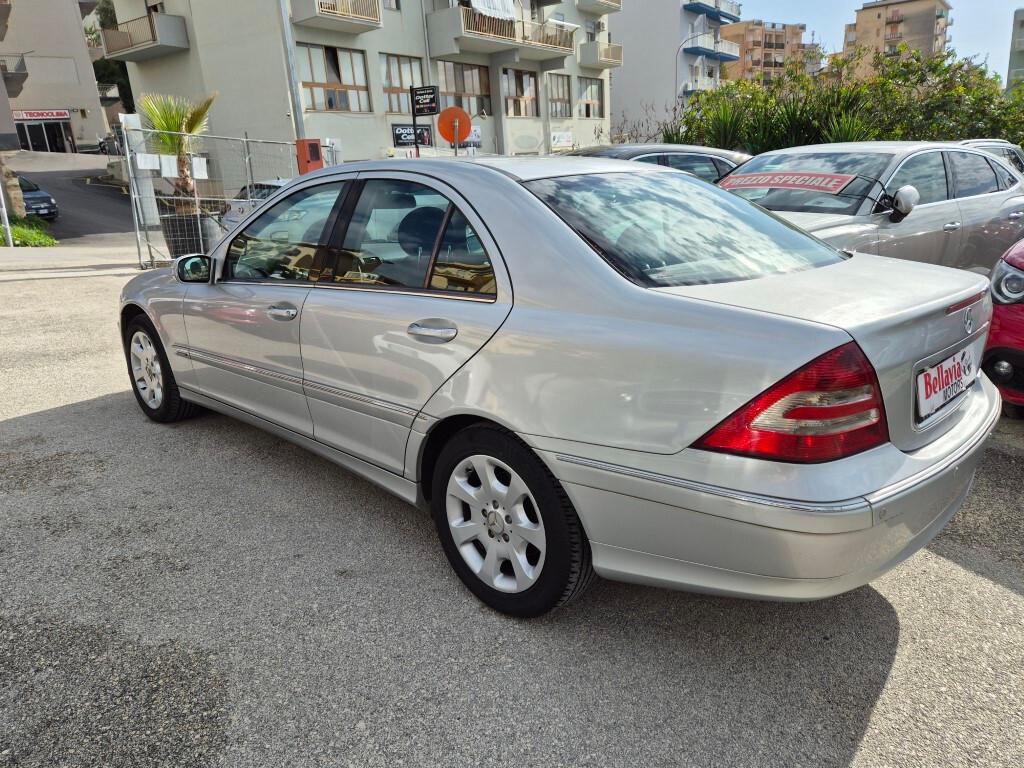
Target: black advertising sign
<point>425,101</point>
<point>407,135</point>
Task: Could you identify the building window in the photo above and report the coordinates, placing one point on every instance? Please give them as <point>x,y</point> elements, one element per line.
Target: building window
<point>333,79</point>
<point>591,97</point>
<point>393,5</point>
<point>464,85</point>
<point>520,93</point>
<point>560,99</point>
<point>591,31</point>
<point>399,74</point>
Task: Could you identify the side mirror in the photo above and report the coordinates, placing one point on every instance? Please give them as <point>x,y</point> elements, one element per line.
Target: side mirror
<point>193,269</point>
<point>904,201</point>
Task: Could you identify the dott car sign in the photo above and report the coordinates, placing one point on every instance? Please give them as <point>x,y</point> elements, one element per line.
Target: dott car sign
<point>425,101</point>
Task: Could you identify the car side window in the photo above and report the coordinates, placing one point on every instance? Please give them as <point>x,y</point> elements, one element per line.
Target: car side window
<point>462,263</point>
<point>699,166</point>
<point>972,175</point>
<point>282,243</point>
<point>1006,179</point>
<point>652,159</point>
<point>391,236</point>
<point>723,167</point>
<point>927,173</point>
<point>1013,156</point>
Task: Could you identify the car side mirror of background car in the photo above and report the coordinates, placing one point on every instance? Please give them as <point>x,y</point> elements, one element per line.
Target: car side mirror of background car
<point>193,269</point>
<point>904,201</point>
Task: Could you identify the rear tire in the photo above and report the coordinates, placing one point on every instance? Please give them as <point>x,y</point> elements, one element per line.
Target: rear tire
<point>506,525</point>
<point>151,376</point>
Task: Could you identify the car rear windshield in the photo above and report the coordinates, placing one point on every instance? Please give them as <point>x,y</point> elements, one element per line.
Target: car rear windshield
<point>667,229</point>
<point>809,182</point>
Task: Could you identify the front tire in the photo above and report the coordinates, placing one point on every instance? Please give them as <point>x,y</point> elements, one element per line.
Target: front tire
<point>506,525</point>
<point>152,379</point>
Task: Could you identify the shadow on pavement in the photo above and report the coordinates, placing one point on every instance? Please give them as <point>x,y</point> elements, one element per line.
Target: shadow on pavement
<point>330,610</point>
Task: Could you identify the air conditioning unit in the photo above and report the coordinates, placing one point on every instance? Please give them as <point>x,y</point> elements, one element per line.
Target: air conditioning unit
<point>601,26</point>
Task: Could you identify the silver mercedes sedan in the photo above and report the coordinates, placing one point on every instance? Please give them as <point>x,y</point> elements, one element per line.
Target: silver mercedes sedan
<point>948,204</point>
<point>586,366</point>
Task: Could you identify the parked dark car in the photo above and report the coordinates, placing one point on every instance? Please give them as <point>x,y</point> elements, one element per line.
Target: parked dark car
<point>705,163</point>
<point>38,202</point>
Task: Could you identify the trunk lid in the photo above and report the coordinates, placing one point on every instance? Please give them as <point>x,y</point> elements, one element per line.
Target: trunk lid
<point>899,312</point>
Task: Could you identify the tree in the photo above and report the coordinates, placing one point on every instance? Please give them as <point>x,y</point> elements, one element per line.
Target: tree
<point>106,15</point>
<point>178,122</point>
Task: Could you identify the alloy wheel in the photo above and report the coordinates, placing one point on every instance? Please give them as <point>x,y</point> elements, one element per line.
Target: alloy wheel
<point>147,373</point>
<point>494,522</point>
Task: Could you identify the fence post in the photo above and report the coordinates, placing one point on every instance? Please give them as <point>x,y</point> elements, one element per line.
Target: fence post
<point>250,181</point>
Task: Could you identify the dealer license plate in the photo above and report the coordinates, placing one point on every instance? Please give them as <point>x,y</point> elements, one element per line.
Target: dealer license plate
<point>945,381</point>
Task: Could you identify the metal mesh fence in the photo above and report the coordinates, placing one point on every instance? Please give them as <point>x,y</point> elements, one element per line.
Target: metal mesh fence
<point>187,191</point>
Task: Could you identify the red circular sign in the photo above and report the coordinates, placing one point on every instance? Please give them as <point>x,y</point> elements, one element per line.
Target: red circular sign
<point>447,120</point>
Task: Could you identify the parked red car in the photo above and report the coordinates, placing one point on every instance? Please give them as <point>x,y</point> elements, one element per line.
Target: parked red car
<point>1004,356</point>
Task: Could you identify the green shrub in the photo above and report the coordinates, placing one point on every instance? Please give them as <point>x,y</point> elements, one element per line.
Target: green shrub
<point>31,232</point>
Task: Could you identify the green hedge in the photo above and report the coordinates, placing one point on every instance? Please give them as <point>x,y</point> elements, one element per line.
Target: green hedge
<point>908,97</point>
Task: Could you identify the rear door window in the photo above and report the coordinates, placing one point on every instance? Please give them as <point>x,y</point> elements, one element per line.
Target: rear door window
<point>462,264</point>
<point>927,173</point>
<point>972,175</point>
<point>700,166</point>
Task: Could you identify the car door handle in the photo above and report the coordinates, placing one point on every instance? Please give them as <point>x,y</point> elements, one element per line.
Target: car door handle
<point>433,333</point>
<point>953,226</point>
<point>283,313</point>
<point>1015,215</point>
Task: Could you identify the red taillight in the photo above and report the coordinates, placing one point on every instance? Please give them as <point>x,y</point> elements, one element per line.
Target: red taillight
<point>829,409</point>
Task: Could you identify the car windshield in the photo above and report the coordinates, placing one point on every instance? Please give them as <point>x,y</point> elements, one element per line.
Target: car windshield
<point>667,229</point>
<point>809,182</point>
<point>26,185</point>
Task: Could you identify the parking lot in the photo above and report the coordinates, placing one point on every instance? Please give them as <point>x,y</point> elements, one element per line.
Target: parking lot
<point>204,594</point>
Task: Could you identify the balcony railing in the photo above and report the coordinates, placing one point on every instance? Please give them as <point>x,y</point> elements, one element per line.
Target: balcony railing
<point>109,93</point>
<point>15,72</point>
<point>149,36</point>
<point>128,34</point>
<point>889,36</point>
<point>597,54</point>
<point>550,34</point>
<point>894,17</point>
<point>699,84</point>
<point>367,10</point>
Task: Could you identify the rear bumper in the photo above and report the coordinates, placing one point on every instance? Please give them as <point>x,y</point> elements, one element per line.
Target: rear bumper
<point>650,530</point>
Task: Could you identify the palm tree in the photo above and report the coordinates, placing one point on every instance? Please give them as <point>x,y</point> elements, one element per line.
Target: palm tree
<point>178,121</point>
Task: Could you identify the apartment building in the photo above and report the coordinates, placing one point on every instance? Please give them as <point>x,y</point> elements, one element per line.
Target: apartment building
<point>675,49</point>
<point>532,74</point>
<point>1015,72</point>
<point>881,27</point>
<point>767,48</point>
<point>50,101</point>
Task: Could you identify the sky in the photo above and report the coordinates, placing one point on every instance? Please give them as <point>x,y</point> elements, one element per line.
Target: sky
<point>980,27</point>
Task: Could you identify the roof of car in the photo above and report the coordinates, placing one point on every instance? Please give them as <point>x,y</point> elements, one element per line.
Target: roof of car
<point>518,168</point>
<point>626,151</point>
<point>891,147</point>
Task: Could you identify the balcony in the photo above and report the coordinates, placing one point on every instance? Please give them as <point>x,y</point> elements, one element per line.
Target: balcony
<point>695,84</point>
<point>595,54</point>
<point>599,7</point>
<point>1018,44</point>
<point>110,94</point>
<point>891,36</point>
<point>147,37</point>
<point>87,6</point>
<point>724,11</point>
<point>705,44</point>
<point>457,30</point>
<point>894,17</point>
<point>5,15</point>
<point>352,16</point>
<point>15,73</point>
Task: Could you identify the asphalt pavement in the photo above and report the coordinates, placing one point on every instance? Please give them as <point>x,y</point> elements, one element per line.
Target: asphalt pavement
<point>204,594</point>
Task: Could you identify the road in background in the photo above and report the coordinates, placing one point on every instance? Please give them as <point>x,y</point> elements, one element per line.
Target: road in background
<point>92,212</point>
<point>204,594</point>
